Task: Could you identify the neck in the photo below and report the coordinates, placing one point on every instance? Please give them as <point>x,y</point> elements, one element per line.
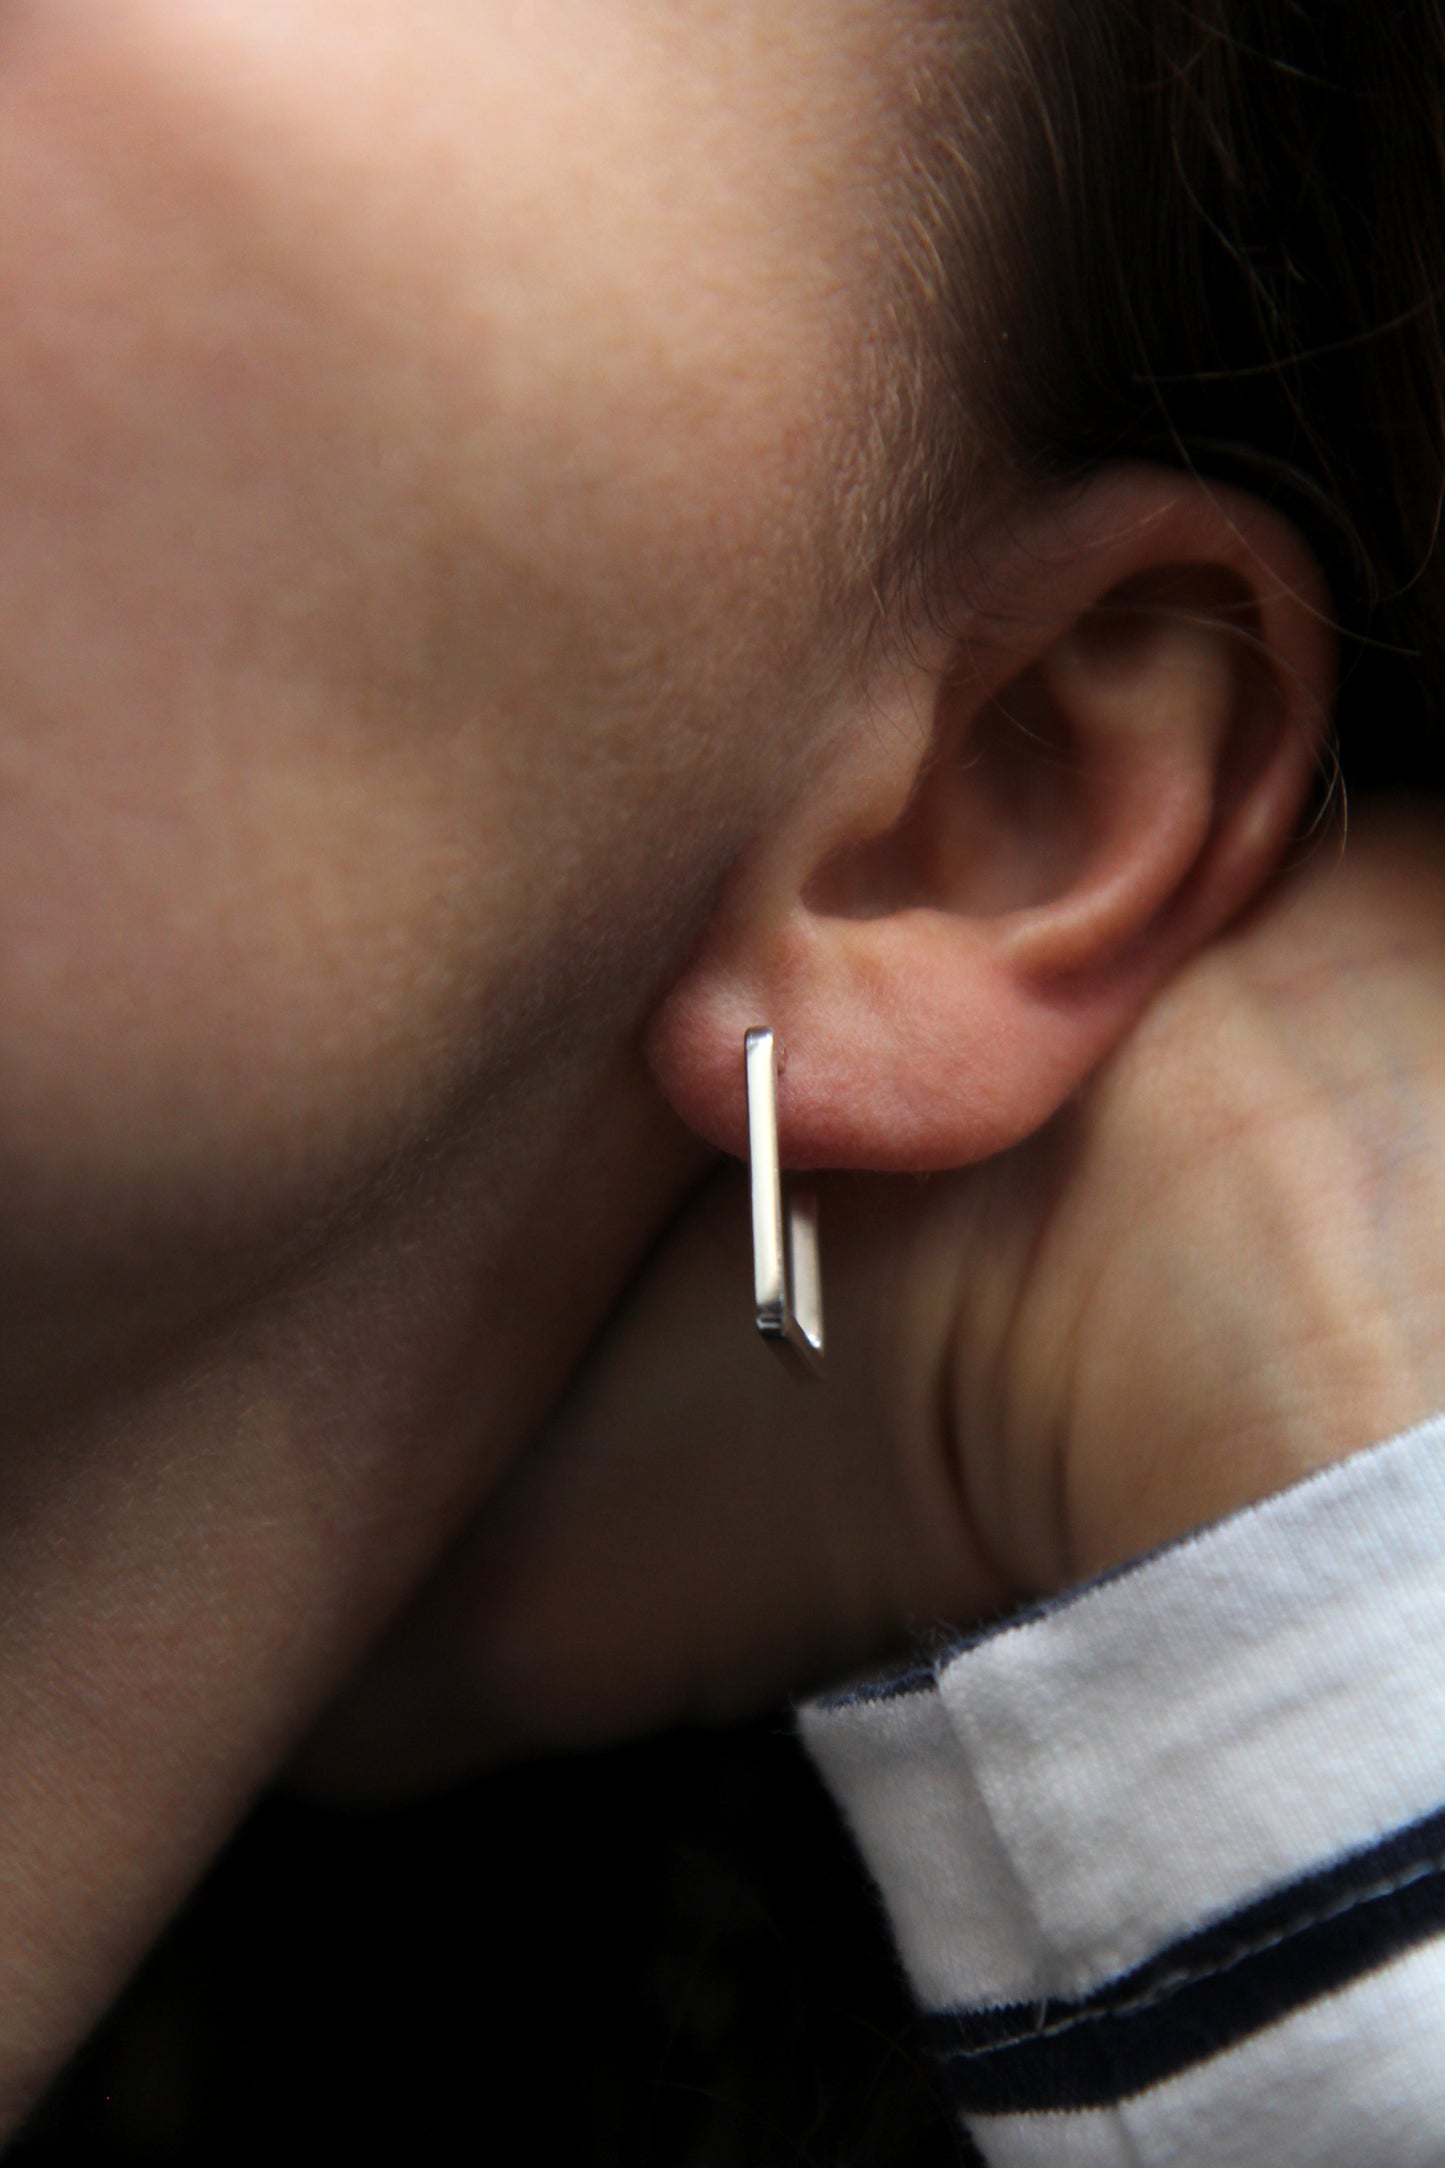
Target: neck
<point>192,1564</point>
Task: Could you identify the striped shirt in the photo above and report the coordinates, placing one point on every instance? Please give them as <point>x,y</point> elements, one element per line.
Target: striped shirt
<point>1165,1858</point>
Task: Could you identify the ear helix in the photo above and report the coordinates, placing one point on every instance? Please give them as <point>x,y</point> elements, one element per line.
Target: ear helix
<point>787,1284</point>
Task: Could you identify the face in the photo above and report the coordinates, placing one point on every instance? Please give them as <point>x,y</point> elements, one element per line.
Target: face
<point>430,500</point>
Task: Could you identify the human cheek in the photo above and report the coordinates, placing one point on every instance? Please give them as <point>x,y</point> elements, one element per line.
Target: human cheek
<point>399,505</point>
<point>207,884</point>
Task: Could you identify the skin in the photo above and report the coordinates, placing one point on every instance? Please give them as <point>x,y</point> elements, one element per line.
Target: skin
<point>406,621</point>
<point>435,484</point>
<point>1024,1378</point>
<point>373,506</point>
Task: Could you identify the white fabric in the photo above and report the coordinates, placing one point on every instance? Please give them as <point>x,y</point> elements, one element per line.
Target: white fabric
<point>960,1917</point>
<point>1357,2079</point>
<point>1073,1794</point>
<point>1165,1743</point>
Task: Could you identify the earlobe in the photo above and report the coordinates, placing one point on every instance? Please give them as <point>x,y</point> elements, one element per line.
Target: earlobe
<point>999,867</point>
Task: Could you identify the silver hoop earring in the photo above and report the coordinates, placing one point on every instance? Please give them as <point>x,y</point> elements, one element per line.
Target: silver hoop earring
<point>787,1285</point>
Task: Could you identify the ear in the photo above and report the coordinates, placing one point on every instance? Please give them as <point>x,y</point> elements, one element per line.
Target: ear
<point>1012,841</point>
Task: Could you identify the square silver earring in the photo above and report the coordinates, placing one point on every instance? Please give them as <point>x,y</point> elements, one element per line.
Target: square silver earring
<point>787,1285</point>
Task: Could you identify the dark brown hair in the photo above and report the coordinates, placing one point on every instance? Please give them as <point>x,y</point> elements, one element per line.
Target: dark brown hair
<point>1212,233</point>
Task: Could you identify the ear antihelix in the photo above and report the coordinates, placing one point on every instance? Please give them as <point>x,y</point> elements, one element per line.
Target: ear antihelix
<point>787,1283</point>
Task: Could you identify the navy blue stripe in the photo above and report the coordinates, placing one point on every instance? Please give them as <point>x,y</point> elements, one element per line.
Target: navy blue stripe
<point>897,1686</point>
<point>1206,1992</point>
